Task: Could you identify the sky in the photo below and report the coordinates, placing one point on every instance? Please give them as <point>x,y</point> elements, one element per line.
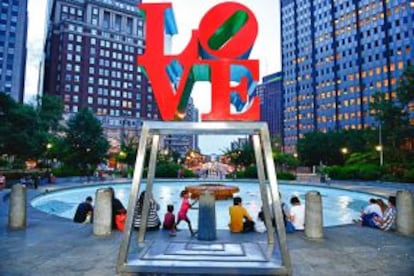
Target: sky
<point>188,14</point>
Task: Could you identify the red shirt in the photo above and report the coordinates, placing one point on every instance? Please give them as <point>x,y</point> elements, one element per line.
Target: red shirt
<point>169,220</point>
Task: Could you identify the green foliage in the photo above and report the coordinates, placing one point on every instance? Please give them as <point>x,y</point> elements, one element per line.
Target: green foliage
<point>409,175</point>
<point>363,157</point>
<point>85,144</point>
<point>24,130</point>
<point>250,171</point>
<point>65,171</point>
<point>243,156</point>
<point>282,175</point>
<point>128,152</point>
<point>188,173</point>
<point>167,170</point>
<point>393,117</point>
<point>355,171</point>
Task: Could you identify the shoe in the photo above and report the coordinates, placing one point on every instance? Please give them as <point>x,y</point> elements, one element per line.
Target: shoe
<point>172,234</point>
<point>194,233</point>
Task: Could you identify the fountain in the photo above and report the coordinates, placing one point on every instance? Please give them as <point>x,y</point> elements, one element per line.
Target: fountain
<point>220,191</point>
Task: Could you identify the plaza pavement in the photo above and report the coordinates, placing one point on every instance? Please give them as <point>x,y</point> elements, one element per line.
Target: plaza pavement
<point>56,246</point>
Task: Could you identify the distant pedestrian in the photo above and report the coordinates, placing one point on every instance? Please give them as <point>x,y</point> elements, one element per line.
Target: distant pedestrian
<point>2,181</point>
<point>84,211</point>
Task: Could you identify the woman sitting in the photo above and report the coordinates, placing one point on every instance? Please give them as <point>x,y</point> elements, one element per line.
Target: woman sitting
<point>153,221</point>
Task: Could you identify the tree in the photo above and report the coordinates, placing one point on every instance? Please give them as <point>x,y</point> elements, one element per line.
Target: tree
<point>50,112</point>
<point>394,118</point>
<point>24,130</point>
<point>21,132</point>
<point>85,144</point>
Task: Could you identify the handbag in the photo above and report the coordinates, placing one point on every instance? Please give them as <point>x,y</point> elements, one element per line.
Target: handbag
<point>120,221</point>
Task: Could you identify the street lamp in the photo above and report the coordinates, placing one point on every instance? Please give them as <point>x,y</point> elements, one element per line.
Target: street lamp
<point>344,150</point>
<point>49,146</point>
<point>380,148</point>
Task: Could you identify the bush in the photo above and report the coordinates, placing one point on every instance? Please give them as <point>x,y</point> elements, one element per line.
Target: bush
<point>167,170</point>
<point>250,172</point>
<point>409,175</point>
<point>285,176</point>
<point>340,173</point>
<point>65,171</point>
<point>355,171</point>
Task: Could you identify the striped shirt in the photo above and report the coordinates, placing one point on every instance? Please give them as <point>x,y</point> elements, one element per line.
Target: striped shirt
<point>388,219</point>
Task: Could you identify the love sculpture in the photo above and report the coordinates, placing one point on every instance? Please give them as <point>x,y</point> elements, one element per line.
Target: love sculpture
<point>217,52</point>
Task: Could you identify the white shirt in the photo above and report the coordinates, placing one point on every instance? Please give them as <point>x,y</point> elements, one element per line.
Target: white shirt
<point>373,208</point>
<point>297,212</point>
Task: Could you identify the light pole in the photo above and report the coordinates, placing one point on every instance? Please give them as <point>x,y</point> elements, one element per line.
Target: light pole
<point>380,147</point>
<point>48,163</point>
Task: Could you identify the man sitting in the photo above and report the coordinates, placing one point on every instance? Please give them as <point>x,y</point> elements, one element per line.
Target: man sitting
<point>84,211</point>
<point>240,220</point>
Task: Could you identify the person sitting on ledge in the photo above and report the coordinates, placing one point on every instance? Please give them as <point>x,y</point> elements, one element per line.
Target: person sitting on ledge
<point>84,211</point>
<point>387,222</point>
<point>153,221</point>
<point>240,220</point>
<point>297,213</point>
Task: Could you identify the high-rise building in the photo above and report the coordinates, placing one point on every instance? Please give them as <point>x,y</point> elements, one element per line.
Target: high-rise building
<point>13,37</point>
<point>91,61</point>
<point>271,100</point>
<point>335,56</point>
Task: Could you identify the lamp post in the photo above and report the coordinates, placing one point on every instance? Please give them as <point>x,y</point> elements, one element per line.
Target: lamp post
<point>48,163</point>
<point>380,147</point>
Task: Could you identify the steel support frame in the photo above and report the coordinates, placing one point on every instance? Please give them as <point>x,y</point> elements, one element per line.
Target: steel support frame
<point>264,160</point>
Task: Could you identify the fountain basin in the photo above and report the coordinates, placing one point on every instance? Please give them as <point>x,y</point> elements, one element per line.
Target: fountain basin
<point>220,191</point>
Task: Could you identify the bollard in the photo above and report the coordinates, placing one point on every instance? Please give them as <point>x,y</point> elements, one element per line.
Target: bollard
<point>405,213</point>
<point>102,214</point>
<point>313,215</point>
<point>207,217</point>
<point>17,207</point>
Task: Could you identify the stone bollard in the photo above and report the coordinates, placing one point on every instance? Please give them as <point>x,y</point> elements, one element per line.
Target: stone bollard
<point>207,217</point>
<point>102,214</point>
<point>405,213</point>
<point>313,215</point>
<point>17,207</point>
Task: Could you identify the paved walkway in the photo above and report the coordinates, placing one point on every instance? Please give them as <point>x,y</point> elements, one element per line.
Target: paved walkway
<point>55,246</point>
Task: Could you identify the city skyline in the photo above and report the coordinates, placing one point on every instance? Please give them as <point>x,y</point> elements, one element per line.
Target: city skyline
<point>267,39</point>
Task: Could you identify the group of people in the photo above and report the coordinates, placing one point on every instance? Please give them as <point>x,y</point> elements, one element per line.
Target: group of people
<point>169,223</point>
<point>377,214</point>
<point>84,211</point>
<point>293,215</point>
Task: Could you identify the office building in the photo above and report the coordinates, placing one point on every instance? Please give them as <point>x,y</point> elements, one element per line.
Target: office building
<point>91,61</point>
<point>13,37</point>
<point>91,52</point>
<point>271,108</point>
<point>335,56</point>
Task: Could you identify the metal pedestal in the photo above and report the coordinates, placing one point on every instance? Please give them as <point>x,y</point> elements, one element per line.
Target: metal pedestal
<point>182,257</point>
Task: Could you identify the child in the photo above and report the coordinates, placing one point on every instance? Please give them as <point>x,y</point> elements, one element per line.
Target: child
<point>185,206</point>
<point>169,220</point>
